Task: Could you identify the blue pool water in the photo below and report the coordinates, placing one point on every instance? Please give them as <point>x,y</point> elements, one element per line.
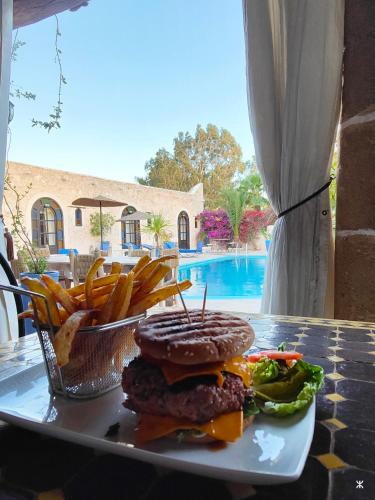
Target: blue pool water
<point>226,277</point>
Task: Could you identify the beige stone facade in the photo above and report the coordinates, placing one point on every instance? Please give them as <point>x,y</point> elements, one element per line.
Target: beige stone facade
<point>64,187</point>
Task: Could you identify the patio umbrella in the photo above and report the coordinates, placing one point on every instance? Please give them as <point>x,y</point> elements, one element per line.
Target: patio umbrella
<point>135,216</point>
<point>98,201</point>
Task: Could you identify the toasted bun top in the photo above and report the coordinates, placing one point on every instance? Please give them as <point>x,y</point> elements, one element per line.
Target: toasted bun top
<point>171,337</point>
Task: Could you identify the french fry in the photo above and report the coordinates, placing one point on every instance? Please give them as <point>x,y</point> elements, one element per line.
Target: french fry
<point>121,312</point>
<point>116,268</point>
<point>35,285</point>
<point>116,297</point>
<point>146,270</point>
<point>102,290</point>
<point>90,279</point>
<point>98,302</point>
<point>63,340</point>
<point>143,261</point>
<point>156,275</point>
<point>110,279</point>
<point>60,294</point>
<point>157,296</point>
<point>64,315</point>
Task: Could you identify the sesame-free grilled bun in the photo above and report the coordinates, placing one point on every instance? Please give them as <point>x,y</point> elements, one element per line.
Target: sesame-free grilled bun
<point>169,336</point>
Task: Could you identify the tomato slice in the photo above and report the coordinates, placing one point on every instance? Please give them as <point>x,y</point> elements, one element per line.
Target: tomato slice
<point>274,355</point>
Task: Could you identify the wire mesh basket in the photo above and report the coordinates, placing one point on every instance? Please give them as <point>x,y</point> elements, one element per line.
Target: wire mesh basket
<point>97,358</point>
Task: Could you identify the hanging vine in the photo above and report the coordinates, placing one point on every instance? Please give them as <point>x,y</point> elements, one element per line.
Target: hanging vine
<point>30,253</point>
<point>55,116</point>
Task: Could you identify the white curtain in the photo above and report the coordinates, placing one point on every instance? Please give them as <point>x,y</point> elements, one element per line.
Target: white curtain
<point>8,313</point>
<point>294,54</point>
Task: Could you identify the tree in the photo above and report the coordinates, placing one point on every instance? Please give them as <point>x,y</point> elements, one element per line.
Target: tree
<point>163,171</point>
<point>234,202</point>
<point>252,184</point>
<point>107,222</point>
<point>212,157</point>
<point>158,228</point>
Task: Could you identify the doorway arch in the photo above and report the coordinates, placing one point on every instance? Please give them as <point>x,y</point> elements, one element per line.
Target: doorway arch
<point>131,229</point>
<point>47,224</point>
<point>183,230</point>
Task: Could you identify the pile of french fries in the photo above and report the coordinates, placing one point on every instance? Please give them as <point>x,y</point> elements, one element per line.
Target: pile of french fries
<point>98,301</point>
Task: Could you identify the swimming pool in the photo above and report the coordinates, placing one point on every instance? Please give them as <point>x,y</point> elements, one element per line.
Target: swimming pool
<point>230,277</point>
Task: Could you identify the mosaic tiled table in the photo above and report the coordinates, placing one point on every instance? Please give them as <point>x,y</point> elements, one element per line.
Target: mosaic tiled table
<point>340,465</point>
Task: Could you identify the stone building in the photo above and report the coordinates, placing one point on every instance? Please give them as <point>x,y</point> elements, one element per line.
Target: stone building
<point>51,219</point>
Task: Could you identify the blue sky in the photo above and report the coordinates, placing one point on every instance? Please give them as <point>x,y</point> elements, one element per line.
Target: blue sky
<point>138,72</point>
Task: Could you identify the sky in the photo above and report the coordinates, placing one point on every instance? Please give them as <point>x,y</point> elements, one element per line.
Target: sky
<point>138,72</point>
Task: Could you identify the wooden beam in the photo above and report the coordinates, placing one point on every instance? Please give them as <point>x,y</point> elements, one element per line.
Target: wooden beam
<point>31,11</point>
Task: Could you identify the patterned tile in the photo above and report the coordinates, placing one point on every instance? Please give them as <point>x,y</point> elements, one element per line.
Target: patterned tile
<point>331,461</point>
<point>335,376</point>
<point>336,398</point>
<point>345,482</point>
<point>358,371</point>
<point>335,423</point>
<point>357,417</point>
<point>344,410</point>
<point>335,359</point>
<point>355,447</point>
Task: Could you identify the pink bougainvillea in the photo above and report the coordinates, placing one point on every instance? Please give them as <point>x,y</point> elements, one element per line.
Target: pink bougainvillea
<point>252,222</point>
<point>215,224</point>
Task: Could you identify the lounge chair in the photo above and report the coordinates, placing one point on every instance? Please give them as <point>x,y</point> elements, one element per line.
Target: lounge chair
<point>185,252</point>
<point>132,246</point>
<point>169,245</point>
<point>147,247</point>
<point>66,251</point>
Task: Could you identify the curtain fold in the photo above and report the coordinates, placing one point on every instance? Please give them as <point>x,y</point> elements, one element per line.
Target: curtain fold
<point>294,54</point>
<point>8,312</point>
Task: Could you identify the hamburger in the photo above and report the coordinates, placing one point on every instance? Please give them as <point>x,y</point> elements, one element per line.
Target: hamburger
<point>190,380</point>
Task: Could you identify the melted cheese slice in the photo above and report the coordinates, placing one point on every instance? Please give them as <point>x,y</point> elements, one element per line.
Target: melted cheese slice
<point>237,366</point>
<point>226,427</point>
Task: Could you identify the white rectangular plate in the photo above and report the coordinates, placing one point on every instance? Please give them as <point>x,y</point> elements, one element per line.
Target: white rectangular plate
<point>271,451</point>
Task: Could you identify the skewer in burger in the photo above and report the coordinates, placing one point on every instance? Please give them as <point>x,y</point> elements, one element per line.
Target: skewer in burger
<point>191,380</point>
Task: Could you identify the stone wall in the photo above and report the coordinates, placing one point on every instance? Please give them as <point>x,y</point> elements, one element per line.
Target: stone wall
<point>355,219</point>
<point>64,187</point>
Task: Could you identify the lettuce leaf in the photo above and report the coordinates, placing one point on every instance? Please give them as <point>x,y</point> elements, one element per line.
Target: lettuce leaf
<point>282,346</point>
<point>264,371</point>
<point>250,408</point>
<point>293,392</point>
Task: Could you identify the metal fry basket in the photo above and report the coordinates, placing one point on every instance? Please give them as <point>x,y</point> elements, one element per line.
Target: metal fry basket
<point>97,358</point>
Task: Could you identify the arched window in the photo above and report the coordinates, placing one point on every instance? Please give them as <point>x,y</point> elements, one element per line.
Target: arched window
<point>183,230</point>
<point>130,229</point>
<point>47,224</point>
<point>78,217</point>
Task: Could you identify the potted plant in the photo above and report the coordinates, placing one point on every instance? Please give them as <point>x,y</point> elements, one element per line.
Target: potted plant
<point>29,256</point>
<point>158,227</point>
<point>107,221</point>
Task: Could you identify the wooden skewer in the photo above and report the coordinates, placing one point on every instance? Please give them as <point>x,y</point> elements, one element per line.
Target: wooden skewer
<point>183,303</point>
<point>204,303</point>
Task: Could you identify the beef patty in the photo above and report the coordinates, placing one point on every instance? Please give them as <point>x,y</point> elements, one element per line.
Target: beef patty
<point>198,399</point>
